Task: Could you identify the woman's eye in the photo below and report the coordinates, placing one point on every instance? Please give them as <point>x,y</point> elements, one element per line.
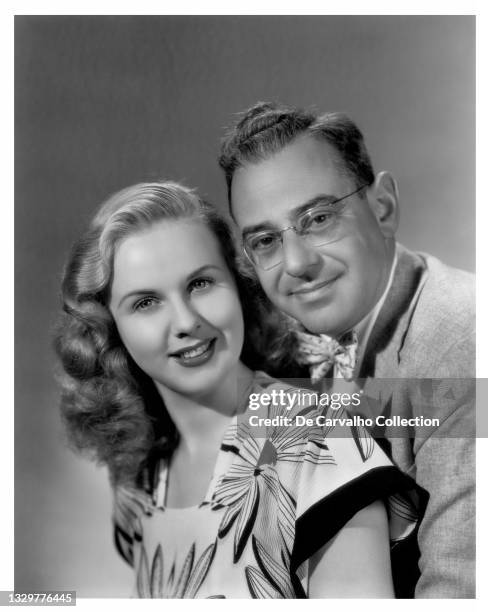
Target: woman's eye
<point>200,284</point>
<point>145,303</point>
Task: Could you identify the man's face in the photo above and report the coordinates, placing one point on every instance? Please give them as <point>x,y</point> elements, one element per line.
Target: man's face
<point>328,288</point>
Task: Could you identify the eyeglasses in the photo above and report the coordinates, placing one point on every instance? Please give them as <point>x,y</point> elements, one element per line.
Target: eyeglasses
<point>316,226</point>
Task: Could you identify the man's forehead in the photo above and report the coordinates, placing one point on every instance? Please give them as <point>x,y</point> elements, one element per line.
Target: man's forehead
<point>274,189</point>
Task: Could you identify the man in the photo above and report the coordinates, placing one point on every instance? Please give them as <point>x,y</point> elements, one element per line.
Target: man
<point>319,227</point>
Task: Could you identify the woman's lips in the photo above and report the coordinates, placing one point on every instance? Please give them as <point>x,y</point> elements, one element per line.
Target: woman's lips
<point>195,355</point>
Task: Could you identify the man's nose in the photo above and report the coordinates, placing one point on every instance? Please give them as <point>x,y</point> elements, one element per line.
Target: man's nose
<point>184,317</point>
<point>298,256</point>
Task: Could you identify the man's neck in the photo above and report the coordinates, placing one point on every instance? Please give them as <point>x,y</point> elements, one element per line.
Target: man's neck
<point>365,326</point>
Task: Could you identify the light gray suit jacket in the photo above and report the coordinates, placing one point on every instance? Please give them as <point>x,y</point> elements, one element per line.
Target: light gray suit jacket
<point>426,330</point>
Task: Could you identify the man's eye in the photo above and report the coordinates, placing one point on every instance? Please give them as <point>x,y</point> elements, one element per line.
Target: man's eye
<point>263,242</point>
<point>145,303</point>
<point>319,220</point>
<point>200,284</point>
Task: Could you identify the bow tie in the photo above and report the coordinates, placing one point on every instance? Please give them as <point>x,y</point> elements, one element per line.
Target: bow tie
<point>320,352</point>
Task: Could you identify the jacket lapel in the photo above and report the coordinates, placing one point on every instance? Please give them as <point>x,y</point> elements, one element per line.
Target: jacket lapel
<point>382,355</point>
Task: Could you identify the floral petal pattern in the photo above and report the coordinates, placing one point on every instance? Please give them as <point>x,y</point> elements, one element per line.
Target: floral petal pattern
<point>272,499</point>
<point>143,587</point>
<point>246,520</point>
<point>200,571</point>
<point>185,572</point>
<point>157,573</point>
<point>230,516</point>
<point>275,572</point>
<point>259,587</point>
<point>364,441</point>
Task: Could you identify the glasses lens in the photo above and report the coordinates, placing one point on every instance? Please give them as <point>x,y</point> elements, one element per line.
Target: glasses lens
<point>270,261</point>
<point>264,250</point>
<point>319,225</point>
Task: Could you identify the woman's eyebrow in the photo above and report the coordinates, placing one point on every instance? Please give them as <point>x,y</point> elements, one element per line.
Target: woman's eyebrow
<point>202,269</point>
<point>148,291</point>
<point>135,293</point>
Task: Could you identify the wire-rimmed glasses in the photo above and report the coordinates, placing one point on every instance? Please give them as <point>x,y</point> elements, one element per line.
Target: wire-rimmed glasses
<point>317,225</point>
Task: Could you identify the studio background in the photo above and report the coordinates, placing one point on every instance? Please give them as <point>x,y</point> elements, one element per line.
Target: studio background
<point>104,102</point>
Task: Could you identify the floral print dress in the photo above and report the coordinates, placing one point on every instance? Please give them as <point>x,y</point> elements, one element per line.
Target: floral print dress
<point>277,495</point>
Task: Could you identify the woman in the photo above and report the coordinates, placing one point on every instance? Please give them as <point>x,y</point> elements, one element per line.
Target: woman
<point>158,374</point>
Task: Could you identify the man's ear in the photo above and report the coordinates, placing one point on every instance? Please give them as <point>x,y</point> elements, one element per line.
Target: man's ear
<point>383,200</point>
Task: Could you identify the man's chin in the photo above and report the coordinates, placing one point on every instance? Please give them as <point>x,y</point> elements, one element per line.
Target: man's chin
<point>316,326</point>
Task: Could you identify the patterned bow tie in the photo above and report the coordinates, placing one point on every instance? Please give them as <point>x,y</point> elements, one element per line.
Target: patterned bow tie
<point>320,352</point>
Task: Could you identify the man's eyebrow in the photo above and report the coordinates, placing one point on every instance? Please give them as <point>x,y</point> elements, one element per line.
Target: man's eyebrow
<point>322,198</point>
<point>259,227</point>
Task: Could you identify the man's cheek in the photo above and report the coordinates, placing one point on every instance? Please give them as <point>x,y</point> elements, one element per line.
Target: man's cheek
<point>270,283</point>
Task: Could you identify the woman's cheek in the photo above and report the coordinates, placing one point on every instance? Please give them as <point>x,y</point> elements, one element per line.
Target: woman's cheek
<point>139,335</point>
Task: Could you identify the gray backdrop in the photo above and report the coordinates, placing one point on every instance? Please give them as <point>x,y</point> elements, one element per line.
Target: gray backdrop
<point>103,102</point>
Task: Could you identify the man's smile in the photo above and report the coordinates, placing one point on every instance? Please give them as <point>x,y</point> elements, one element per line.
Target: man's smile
<point>311,289</point>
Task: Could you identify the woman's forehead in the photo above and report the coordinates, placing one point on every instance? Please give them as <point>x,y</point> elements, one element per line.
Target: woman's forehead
<point>168,249</point>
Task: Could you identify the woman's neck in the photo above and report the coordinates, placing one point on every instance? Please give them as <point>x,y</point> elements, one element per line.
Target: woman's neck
<point>201,421</point>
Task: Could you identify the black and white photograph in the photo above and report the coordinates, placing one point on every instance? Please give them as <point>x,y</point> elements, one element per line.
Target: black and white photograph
<point>245,329</point>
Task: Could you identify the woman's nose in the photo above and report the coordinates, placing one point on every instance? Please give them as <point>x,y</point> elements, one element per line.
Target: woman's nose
<point>298,256</point>
<point>184,318</point>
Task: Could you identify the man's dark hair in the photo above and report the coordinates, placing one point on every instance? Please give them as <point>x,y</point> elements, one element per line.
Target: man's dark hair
<point>267,127</point>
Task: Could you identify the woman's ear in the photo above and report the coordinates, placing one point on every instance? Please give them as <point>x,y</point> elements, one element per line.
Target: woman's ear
<point>383,201</point>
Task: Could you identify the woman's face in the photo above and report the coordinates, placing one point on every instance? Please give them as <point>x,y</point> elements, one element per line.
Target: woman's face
<point>176,306</point>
